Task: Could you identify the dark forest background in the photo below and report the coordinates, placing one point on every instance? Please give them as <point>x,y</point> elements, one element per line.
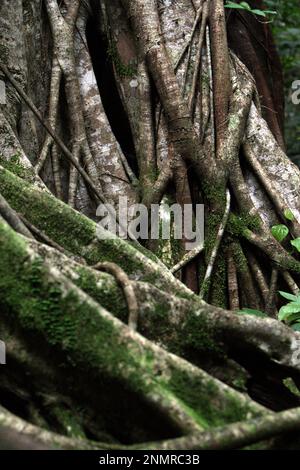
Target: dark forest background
<point>286,29</point>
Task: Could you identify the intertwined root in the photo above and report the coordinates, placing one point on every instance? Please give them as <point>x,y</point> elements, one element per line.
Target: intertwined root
<point>58,300</point>
<point>62,319</point>
<point>227,121</point>
<point>234,122</point>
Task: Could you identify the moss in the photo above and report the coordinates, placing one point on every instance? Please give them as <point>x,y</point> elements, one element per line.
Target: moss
<point>215,411</point>
<point>184,405</point>
<point>78,234</point>
<point>14,165</point>
<point>212,225</point>
<point>56,313</point>
<point>205,287</point>
<point>178,250</point>
<point>157,323</point>
<point>147,180</point>
<point>64,225</point>
<point>67,421</point>
<point>240,383</point>
<point>198,334</point>
<point>201,274</point>
<point>215,194</point>
<point>216,285</point>
<point>73,231</point>
<point>60,328</point>
<point>123,70</point>
<point>41,301</point>
<point>110,250</point>
<point>239,258</point>
<point>218,294</point>
<point>237,224</point>
<point>104,291</point>
<point>164,252</point>
<point>160,327</point>
<point>293,265</point>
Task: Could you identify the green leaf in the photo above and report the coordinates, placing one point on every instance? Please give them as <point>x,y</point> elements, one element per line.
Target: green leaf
<point>251,311</point>
<point>296,244</point>
<point>232,6</point>
<point>280,232</point>
<point>270,12</point>
<point>287,310</point>
<point>235,6</point>
<point>290,384</point>
<point>259,12</point>
<point>296,326</point>
<point>245,5</point>
<point>264,12</point>
<point>288,296</point>
<point>289,215</point>
<point>293,317</point>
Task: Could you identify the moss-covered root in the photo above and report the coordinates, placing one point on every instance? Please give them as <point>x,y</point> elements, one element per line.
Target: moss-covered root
<point>48,307</point>
<point>12,155</point>
<point>182,326</point>
<point>78,234</point>
<point>21,435</point>
<point>238,435</point>
<point>163,318</point>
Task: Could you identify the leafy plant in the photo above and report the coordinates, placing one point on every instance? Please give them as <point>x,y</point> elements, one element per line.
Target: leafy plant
<point>290,313</point>
<point>289,215</point>
<point>245,6</point>
<point>251,311</point>
<point>296,244</point>
<point>281,231</point>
